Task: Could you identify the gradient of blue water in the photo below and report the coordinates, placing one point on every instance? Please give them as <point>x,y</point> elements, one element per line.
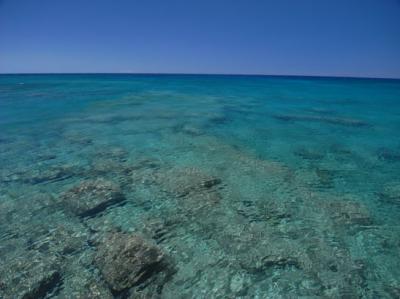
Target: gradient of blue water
<point>335,138</point>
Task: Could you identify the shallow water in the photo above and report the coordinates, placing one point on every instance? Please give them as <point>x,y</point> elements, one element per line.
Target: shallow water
<point>248,186</point>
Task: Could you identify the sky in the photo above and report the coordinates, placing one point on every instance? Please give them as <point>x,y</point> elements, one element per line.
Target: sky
<point>274,37</point>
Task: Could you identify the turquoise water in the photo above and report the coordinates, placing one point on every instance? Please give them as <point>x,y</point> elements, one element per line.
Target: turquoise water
<point>245,186</point>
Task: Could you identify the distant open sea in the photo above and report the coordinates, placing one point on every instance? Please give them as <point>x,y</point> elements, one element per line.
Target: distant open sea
<point>199,186</point>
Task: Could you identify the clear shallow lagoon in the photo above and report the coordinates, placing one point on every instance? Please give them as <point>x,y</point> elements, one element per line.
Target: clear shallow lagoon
<point>174,186</point>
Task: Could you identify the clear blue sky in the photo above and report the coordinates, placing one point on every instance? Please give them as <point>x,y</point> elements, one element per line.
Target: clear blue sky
<point>298,37</point>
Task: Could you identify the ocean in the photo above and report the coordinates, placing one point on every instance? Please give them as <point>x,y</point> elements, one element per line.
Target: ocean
<point>199,186</point>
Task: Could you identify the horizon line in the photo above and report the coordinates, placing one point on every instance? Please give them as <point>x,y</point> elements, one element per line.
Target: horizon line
<point>198,74</point>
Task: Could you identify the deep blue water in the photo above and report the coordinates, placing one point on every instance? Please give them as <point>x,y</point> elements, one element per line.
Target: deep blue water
<point>249,186</point>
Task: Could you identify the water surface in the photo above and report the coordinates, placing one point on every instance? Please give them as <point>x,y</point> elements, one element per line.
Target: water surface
<point>248,186</point>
